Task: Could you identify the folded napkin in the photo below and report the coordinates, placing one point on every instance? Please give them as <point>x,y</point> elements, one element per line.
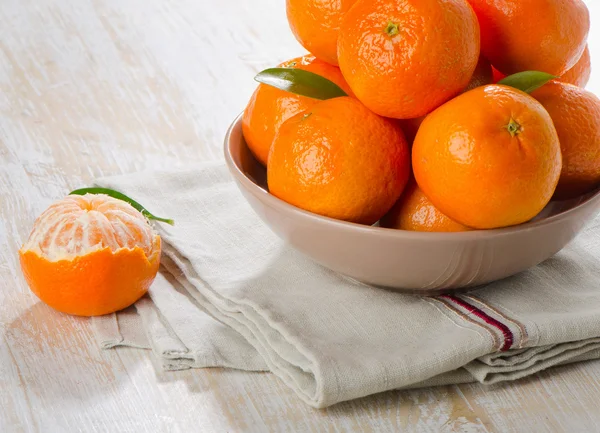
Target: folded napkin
<point>232,294</point>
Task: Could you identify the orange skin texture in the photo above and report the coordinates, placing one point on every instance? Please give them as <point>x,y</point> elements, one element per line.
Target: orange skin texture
<point>407,71</point>
<point>98,283</point>
<point>538,35</point>
<point>340,160</point>
<point>473,170</point>
<point>316,25</point>
<point>415,212</point>
<point>579,75</point>
<point>576,116</point>
<point>481,77</point>
<point>269,107</point>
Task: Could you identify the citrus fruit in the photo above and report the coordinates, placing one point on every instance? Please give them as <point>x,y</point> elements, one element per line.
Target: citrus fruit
<point>415,212</point>
<point>90,255</point>
<point>579,75</point>
<point>488,158</point>
<point>404,58</point>
<point>316,24</point>
<point>269,107</point>
<point>532,35</point>
<point>576,116</point>
<point>339,160</point>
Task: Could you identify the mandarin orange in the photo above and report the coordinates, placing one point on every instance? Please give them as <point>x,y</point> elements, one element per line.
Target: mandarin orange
<point>415,212</point>
<point>339,160</point>
<point>269,107</point>
<point>488,158</point>
<point>580,74</point>
<point>316,25</point>
<point>576,116</point>
<point>90,255</point>
<point>404,58</point>
<point>539,35</point>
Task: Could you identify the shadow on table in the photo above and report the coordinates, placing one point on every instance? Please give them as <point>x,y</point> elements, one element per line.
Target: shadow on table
<point>57,357</point>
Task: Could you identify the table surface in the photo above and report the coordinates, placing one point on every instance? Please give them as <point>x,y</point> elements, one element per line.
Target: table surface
<point>100,87</point>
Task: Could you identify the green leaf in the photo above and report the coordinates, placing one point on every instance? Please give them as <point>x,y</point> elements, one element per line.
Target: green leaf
<point>120,196</point>
<point>300,82</point>
<point>527,81</point>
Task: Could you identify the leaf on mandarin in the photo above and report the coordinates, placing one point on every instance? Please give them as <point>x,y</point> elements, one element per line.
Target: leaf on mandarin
<point>300,82</point>
<point>123,197</point>
<point>527,81</point>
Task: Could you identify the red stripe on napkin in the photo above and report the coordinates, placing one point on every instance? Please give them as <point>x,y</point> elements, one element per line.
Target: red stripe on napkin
<point>506,332</point>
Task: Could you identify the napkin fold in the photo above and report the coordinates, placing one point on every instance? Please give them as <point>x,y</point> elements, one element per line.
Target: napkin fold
<point>232,294</point>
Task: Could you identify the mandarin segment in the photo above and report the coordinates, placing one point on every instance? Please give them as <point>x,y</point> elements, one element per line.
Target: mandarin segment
<point>269,107</point>
<point>339,160</point>
<point>576,116</point>
<point>404,58</point>
<point>90,255</point>
<point>532,35</point>
<point>489,158</point>
<point>79,224</point>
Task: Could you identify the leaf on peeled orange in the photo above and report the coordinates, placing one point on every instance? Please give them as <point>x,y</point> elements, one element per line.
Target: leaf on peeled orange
<point>300,82</point>
<point>527,81</point>
<point>120,196</point>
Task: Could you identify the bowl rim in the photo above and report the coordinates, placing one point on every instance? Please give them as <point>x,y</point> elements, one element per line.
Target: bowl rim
<point>476,234</point>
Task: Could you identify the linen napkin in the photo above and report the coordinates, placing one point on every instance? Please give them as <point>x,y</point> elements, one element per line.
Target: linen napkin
<point>232,294</point>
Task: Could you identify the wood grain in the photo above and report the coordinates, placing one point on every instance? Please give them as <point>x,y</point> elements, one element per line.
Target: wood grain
<point>99,87</point>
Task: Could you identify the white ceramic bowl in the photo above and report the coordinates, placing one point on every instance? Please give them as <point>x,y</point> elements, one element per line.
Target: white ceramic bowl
<point>402,260</point>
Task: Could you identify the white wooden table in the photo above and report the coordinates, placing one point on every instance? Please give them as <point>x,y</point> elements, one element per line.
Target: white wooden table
<point>99,87</point>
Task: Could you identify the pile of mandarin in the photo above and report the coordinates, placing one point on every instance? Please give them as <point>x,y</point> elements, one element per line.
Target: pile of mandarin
<point>451,115</point>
